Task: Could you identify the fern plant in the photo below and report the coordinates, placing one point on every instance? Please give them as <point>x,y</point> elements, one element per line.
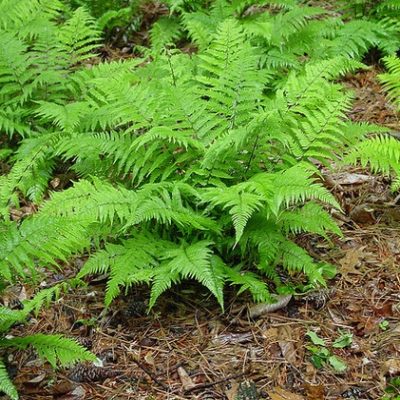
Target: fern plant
<point>384,14</point>
<point>57,350</point>
<point>382,153</point>
<point>289,32</point>
<point>192,167</point>
<point>115,18</point>
<point>391,79</point>
<point>37,61</point>
<point>199,167</point>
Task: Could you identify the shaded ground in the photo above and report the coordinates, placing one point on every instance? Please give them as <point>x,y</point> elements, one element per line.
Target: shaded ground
<point>188,349</point>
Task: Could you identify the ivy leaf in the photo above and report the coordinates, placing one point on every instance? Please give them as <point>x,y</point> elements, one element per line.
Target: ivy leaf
<point>315,338</point>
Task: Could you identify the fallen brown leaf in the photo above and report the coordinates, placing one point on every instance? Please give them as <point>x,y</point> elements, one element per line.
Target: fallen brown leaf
<point>278,393</point>
<point>287,344</point>
<point>391,367</point>
<point>350,261</point>
<point>186,380</point>
<point>314,392</point>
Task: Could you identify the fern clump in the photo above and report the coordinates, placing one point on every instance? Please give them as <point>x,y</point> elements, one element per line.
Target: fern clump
<point>190,167</point>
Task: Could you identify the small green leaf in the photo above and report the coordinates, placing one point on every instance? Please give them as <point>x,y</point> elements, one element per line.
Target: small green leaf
<point>337,363</point>
<point>318,362</point>
<point>327,270</point>
<point>315,338</point>
<point>319,355</point>
<point>345,339</point>
<point>384,325</point>
<point>322,352</point>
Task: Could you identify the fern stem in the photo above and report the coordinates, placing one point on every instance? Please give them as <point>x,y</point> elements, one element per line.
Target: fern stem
<point>252,154</point>
<point>171,68</point>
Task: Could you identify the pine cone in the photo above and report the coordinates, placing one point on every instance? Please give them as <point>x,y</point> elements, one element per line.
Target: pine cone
<point>135,308</point>
<point>90,373</point>
<point>84,341</point>
<point>319,298</point>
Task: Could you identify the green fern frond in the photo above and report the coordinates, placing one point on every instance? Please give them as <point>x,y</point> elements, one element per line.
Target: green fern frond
<point>381,153</point>
<point>188,261</point>
<point>16,70</point>
<point>165,30</point>
<point>293,186</point>
<point>391,79</point>
<point>295,258</point>
<point>64,116</point>
<point>79,36</point>
<point>30,173</point>
<point>389,5</point>
<point>354,39</point>
<point>56,349</point>
<point>45,296</point>
<point>27,12</point>
<point>239,200</point>
<point>130,262</point>
<point>10,317</point>
<point>6,384</point>
<point>251,282</point>
<point>310,218</point>
<point>40,240</point>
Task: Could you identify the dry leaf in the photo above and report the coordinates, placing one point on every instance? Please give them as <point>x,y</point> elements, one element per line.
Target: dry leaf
<point>55,183</point>
<point>264,308</point>
<point>231,393</point>
<point>186,380</point>
<point>346,178</point>
<point>350,261</point>
<point>282,394</point>
<point>37,379</point>
<point>391,367</point>
<point>149,359</point>
<point>287,344</point>
<point>314,392</point>
<point>232,338</point>
<point>385,311</point>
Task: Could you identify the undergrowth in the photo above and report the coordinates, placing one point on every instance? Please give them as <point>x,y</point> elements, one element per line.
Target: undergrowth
<point>174,166</point>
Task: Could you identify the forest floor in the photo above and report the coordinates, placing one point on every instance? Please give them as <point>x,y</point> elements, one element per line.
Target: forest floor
<point>188,349</point>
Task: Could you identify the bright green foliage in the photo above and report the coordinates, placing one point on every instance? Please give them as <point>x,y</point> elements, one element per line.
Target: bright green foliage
<point>6,385</point>
<point>382,153</point>
<point>190,167</point>
<point>111,14</point>
<point>288,31</point>
<point>38,57</point>
<point>383,14</point>
<point>39,240</point>
<point>391,79</point>
<point>53,348</point>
